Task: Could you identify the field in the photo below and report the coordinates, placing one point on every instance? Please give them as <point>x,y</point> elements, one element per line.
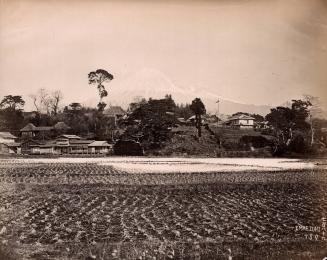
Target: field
<point>162,208</point>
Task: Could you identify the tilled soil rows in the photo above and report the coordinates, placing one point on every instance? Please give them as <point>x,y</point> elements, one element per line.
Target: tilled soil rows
<point>57,211</point>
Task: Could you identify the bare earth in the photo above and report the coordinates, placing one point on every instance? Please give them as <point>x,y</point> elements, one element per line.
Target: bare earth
<point>163,208</point>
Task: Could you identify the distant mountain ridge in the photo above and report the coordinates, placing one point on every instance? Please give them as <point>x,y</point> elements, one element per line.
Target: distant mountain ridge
<point>152,83</point>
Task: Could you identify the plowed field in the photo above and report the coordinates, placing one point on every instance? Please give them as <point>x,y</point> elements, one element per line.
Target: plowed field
<point>93,210</point>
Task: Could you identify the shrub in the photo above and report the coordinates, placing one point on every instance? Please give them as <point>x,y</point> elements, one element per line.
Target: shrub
<point>128,147</point>
<point>255,141</point>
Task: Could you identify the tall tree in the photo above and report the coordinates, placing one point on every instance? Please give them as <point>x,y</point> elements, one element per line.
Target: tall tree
<point>98,78</point>
<point>151,121</point>
<point>301,112</point>
<point>286,120</point>
<point>40,100</point>
<point>56,97</point>
<point>11,115</point>
<point>36,102</point>
<point>12,102</point>
<point>282,121</point>
<point>198,109</point>
<point>315,112</point>
<point>47,102</point>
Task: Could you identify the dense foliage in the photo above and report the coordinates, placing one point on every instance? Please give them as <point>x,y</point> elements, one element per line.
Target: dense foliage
<point>291,127</point>
<point>150,122</point>
<point>11,113</point>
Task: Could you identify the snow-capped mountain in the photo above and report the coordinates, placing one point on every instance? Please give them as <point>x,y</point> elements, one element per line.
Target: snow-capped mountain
<point>153,83</point>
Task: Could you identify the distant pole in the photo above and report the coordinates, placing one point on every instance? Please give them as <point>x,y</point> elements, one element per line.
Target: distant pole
<point>218,112</point>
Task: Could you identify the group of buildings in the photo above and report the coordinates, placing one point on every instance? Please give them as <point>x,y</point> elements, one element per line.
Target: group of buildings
<point>55,140</point>
<point>37,140</point>
<point>239,121</point>
<point>61,144</point>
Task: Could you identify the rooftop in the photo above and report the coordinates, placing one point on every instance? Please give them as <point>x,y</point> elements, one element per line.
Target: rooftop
<point>29,127</point>
<point>7,135</point>
<point>13,144</point>
<point>99,143</point>
<point>241,116</point>
<point>43,128</point>
<point>79,142</point>
<point>69,137</point>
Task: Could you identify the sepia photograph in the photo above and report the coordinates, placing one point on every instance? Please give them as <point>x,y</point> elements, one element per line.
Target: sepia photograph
<point>167,129</point>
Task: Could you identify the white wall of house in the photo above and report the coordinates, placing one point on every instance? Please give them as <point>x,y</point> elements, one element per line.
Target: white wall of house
<point>78,150</point>
<point>42,150</point>
<point>99,150</point>
<point>35,150</point>
<point>243,123</point>
<point>46,150</point>
<point>246,122</point>
<point>102,150</point>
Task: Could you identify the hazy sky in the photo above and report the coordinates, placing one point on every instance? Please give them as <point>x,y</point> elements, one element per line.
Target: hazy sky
<point>251,51</point>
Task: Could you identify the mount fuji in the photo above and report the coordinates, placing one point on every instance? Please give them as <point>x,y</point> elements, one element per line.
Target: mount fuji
<point>152,83</point>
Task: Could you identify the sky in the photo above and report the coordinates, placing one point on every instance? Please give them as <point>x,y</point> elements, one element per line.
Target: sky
<point>249,51</point>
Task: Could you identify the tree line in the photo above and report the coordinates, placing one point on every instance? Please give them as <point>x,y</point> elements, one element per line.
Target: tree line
<point>294,127</point>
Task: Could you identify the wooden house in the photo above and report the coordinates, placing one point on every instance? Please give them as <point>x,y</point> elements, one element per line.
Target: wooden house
<point>241,121</point>
<point>31,131</point>
<point>99,147</point>
<point>7,143</point>
<point>43,132</point>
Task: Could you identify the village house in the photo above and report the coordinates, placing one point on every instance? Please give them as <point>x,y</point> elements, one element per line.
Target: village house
<point>8,143</point>
<point>45,147</point>
<point>79,146</point>
<point>6,137</point>
<point>66,144</point>
<point>99,147</point>
<point>240,121</point>
<point>63,143</point>
<point>27,147</point>
<point>32,131</point>
<point>82,146</point>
